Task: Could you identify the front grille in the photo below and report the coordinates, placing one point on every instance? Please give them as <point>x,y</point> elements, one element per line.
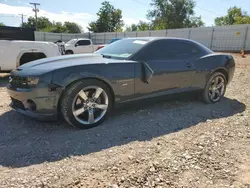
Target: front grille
<point>17,104</point>
<point>18,82</point>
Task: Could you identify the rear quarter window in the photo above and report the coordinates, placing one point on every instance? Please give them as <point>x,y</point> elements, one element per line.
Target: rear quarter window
<point>183,48</point>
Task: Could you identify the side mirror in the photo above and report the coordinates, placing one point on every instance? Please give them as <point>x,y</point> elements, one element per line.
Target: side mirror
<point>76,44</point>
<point>147,72</point>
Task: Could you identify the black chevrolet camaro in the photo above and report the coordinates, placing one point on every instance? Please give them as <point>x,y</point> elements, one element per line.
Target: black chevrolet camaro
<point>85,88</point>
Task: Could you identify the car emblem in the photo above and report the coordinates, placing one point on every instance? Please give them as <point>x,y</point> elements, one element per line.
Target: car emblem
<point>10,79</point>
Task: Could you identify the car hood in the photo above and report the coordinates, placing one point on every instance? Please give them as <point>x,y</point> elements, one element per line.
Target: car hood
<point>68,45</point>
<point>49,64</point>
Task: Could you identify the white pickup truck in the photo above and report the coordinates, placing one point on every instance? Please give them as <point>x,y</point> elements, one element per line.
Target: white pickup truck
<point>14,53</point>
<point>80,46</point>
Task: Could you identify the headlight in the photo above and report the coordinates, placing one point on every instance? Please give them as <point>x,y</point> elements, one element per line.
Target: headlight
<point>23,82</point>
<point>32,81</point>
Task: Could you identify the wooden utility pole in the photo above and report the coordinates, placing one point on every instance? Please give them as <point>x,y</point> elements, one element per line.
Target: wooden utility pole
<point>22,18</point>
<point>35,9</point>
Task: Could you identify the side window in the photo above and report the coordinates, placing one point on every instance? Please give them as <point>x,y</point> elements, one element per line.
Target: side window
<point>83,42</point>
<point>183,50</point>
<point>169,49</point>
<point>157,50</point>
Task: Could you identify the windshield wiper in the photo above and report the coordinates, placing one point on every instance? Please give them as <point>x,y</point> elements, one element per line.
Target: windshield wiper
<point>106,56</point>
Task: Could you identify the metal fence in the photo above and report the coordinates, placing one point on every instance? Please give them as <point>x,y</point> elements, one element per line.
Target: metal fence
<point>53,37</point>
<point>222,38</point>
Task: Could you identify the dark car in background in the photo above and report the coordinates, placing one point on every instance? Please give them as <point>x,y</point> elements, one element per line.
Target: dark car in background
<point>85,88</point>
<point>113,40</point>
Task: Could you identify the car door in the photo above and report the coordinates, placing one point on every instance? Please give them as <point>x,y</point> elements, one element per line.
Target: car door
<point>172,62</point>
<point>83,46</point>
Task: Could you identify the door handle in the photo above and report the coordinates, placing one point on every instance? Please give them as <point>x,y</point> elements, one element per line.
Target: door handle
<point>188,65</point>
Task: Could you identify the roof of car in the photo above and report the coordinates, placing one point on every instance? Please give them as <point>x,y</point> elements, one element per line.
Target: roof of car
<point>155,38</point>
<point>81,39</point>
<point>170,38</point>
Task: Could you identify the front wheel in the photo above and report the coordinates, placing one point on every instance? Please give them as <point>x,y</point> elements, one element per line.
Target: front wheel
<point>215,88</point>
<point>86,103</point>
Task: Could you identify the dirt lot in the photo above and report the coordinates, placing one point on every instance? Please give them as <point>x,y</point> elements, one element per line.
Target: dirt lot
<point>178,143</point>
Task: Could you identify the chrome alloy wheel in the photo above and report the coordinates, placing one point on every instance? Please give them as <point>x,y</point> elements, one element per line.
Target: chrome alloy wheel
<point>216,88</point>
<point>90,105</point>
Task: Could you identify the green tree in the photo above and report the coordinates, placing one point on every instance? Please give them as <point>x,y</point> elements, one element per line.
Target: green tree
<point>143,26</point>
<point>2,24</point>
<point>109,19</point>
<point>234,16</point>
<point>71,27</point>
<point>169,14</point>
<point>43,24</point>
<point>57,27</point>
<point>132,27</point>
<point>194,22</point>
<point>93,27</point>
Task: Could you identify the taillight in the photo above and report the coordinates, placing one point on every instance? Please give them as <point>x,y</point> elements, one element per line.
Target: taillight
<point>99,47</point>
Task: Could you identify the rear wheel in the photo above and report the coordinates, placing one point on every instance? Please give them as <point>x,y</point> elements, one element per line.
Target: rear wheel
<point>86,103</point>
<point>215,88</point>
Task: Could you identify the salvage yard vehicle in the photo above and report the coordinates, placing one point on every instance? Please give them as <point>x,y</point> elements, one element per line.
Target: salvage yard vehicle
<point>79,46</point>
<point>85,88</point>
<point>111,41</point>
<point>14,53</point>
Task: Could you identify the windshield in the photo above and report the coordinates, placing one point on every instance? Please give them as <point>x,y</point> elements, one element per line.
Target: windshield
<point>72,41</point>
<point>122,48</point>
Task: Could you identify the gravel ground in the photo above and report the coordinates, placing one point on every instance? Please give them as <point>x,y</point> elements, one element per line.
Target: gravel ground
<point>176,143</point>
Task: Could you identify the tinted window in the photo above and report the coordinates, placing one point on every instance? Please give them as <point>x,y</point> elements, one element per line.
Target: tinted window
<point>123,48</point>
<point>180,49</point>
<point>170,49</point>
<point>83,42</point>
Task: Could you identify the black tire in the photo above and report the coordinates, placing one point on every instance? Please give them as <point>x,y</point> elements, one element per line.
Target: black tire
<point>69,52</point>
<point>206,91</point>
<point>69,96</point>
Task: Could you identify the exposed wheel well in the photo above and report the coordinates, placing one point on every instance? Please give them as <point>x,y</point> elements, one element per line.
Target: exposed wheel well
<point>110,89</point>
<point>223,72</point>
<point>31,56</point>
<point>70,51</point>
